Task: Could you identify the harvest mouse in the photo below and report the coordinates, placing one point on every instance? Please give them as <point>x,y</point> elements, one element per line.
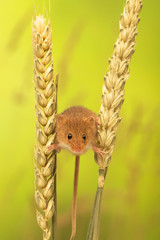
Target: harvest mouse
<point>76,131</point>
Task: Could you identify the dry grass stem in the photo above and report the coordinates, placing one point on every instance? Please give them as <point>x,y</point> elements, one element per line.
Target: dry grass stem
<point>45,92</point>
<point>114,81</point>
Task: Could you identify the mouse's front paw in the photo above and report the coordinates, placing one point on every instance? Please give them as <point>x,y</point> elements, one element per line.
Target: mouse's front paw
<point>99,152</point>
<point>54,146</point>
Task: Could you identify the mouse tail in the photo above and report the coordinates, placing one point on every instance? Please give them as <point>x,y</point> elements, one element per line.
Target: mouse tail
<point>74,205</point>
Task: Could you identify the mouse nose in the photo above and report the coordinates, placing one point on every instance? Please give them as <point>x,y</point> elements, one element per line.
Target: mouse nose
<point>77,148</point>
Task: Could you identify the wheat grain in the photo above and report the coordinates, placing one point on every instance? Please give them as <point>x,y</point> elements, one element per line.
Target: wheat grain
<point>45,92</point>
<point>114,81</point>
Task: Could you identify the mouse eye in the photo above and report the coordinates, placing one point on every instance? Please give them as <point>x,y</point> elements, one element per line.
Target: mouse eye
<point>69,136</point>
<point>84,137</point>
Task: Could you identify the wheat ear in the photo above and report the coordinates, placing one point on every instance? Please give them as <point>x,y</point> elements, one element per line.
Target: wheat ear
<point>45,91</point>
<point>115,79</point>
<point>112,100</point>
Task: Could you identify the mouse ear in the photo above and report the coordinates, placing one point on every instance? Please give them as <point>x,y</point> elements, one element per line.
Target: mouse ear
<point>60,118</point>
<point>90,120</point>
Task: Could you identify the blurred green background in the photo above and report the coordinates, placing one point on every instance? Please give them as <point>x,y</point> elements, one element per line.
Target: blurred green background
<point>84,33</point>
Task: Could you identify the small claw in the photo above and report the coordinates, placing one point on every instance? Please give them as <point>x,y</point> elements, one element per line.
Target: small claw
<point>54,146</point>
<point>99,152</point>
<point>50,148</point>
<point>97,121</point>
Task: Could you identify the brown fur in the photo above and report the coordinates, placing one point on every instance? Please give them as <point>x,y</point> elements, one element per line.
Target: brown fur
<point>78,121</point>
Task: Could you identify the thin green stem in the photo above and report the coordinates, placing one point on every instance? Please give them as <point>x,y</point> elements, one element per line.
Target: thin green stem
<point>54,218</point>
<point>93,232</point>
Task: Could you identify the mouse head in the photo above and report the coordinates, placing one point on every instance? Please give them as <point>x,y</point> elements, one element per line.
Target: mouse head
<point>77,135</point>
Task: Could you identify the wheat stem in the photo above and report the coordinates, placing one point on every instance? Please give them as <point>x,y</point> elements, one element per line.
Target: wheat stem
<point>45,163</point>
<point>54,217</point>
<point>93,231</point>
<point>112,98</point>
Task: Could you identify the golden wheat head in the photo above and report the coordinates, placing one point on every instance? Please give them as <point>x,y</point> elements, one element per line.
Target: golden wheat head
<point>115,79</point>
<point>45,112</point>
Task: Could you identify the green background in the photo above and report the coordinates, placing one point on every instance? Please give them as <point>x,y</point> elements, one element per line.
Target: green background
<point>84,33</point>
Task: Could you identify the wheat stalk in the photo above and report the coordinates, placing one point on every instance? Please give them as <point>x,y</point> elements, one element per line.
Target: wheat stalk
<point>112,99</point>
<point>45,92</point>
